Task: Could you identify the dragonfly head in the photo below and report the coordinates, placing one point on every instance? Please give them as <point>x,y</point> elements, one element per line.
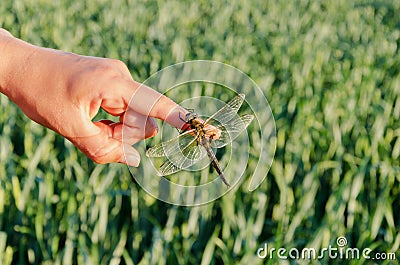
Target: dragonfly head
<point>190,116</point>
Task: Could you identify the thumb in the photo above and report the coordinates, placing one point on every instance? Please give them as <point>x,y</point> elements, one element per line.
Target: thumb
<point>101,147</point>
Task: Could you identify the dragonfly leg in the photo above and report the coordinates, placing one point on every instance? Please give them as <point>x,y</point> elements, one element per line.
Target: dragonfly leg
<point>181,117</point>
<point>186,126</point>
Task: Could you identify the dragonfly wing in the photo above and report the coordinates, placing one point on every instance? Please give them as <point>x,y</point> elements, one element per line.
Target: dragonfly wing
<point>227,112</point>
<point>167,168</point>
<point>156,151</point>
<point>171,146</point>
<point>178,161</point>
<point>231,130</point>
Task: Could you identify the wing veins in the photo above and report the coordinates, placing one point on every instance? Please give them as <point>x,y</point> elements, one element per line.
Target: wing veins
<point>159,149</point>
<point>228,111</point>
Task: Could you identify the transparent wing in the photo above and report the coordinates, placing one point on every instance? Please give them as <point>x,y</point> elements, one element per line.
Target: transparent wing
<point>231,130</point>
<point>179,161</point>
<point>227,112</point>
<point>181,152</point>
<point>168,168</point>
<point>174,145</point>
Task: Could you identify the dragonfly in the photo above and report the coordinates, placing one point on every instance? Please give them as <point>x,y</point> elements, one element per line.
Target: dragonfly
<point>200,137</point>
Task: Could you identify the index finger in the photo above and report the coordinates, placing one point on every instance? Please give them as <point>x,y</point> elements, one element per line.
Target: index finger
<point>149,102</point>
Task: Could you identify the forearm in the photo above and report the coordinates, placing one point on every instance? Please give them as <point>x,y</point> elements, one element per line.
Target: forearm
<point>5,39</point>
<point>64,92</point>
<point>4,32</point>
<point>14,63</point>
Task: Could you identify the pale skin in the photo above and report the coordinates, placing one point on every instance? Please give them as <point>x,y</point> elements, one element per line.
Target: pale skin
<point>64,91</point>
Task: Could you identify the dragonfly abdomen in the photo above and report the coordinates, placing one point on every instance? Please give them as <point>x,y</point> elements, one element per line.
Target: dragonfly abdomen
<point>206,144</point>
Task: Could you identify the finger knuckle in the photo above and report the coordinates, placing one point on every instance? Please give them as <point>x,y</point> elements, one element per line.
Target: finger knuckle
<point>118,63</point>
<point>151,133</point>
<point>98,156</point>
<point>151,130</point>
<point>98,159</point>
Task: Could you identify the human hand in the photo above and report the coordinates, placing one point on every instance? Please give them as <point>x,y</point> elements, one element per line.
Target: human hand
<point>64,92</point>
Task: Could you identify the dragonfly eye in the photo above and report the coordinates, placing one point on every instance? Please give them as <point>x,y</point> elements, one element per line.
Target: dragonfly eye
<point>191,116</point>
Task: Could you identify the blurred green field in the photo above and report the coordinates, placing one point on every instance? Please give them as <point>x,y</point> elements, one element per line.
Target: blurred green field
<point>331,73</point>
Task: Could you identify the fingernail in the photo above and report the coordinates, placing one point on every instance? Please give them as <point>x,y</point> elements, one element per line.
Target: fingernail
<point>132,159</point>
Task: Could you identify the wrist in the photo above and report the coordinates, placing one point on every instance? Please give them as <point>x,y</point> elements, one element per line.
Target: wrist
<point>14,56</point>
<point>4,32</point>
<point>5,39</point>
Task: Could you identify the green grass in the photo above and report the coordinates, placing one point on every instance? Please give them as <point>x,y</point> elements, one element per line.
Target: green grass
<point>330,70</point>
